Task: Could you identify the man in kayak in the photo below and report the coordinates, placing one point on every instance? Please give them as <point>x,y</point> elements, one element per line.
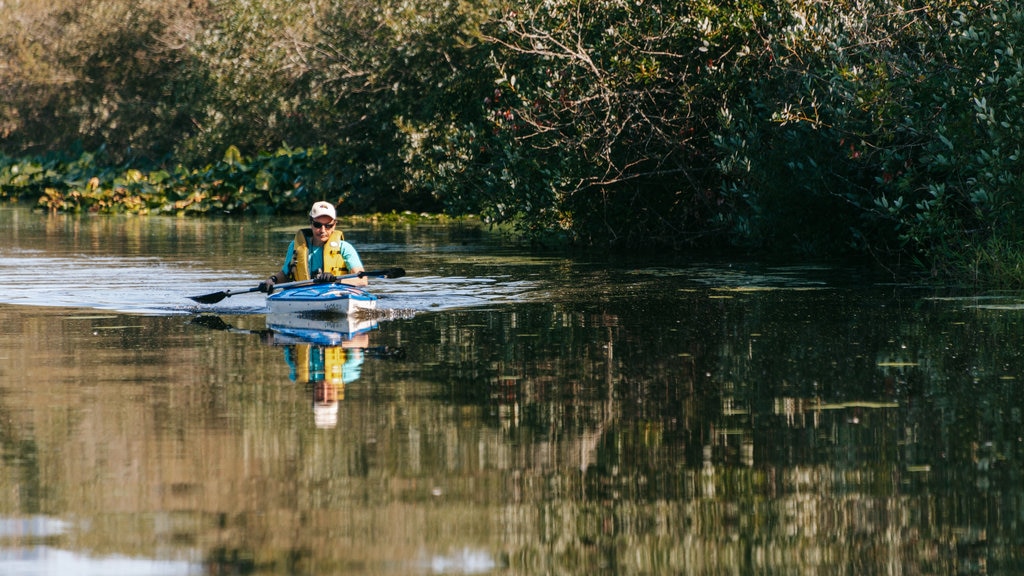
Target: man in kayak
<point>318,253</point>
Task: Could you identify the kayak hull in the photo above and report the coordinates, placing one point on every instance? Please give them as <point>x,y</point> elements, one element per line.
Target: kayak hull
<point>321,298</point>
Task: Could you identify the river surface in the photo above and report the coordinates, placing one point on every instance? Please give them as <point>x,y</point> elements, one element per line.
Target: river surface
<point>504,412</point>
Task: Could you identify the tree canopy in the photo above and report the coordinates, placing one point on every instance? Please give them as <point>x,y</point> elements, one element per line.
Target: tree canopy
<point>816,128</point>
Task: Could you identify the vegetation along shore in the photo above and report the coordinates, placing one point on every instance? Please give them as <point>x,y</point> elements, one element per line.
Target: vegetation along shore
<point>883,129</point>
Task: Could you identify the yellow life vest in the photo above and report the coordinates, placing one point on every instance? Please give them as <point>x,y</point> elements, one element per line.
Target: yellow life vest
<point>334,262</point>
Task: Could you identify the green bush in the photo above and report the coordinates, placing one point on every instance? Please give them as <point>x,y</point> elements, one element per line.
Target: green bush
<point>266,183</point>
<point>886,128</point>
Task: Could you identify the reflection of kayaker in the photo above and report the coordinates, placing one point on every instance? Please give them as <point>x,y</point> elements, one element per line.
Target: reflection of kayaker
<point>328,355</point>
<point>338,364</point>
<point>328,369</point>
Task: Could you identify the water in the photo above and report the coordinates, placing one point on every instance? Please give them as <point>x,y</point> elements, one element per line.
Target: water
<point>506,413</point>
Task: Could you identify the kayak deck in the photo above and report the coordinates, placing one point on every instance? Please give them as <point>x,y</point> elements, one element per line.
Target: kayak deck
<point>334,298</point>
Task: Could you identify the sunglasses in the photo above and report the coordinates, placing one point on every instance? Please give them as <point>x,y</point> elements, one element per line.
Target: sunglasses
<point>321,225</point>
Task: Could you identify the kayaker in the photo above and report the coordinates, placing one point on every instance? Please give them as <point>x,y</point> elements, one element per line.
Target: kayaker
<point>318,253</point>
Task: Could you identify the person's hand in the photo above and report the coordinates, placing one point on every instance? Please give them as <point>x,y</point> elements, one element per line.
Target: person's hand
<point>267,285</point>
<point>325,278</point>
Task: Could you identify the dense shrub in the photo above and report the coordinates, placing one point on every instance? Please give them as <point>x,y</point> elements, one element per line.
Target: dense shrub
<point>619,104</point>
<point>265,183</point>
<point>893,111</point>
<point>102,73</point>
<point>817,128</point>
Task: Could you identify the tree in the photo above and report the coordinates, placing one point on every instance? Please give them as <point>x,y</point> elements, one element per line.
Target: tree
<point>618,102</point>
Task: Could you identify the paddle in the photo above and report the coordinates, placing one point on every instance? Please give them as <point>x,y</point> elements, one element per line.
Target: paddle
<point>214,297</point>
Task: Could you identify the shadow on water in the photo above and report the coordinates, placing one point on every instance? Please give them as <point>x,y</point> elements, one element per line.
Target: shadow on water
<point>500,413</point>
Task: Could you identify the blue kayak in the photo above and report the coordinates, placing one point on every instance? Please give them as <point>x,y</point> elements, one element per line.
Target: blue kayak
<point>321,298</point>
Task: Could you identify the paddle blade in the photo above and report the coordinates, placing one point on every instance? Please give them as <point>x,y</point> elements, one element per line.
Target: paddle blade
<point>387,273</point>
<point>211,298</point>
<point>214,297</point>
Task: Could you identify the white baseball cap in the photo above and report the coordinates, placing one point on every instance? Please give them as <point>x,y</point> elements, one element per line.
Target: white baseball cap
<point>323,209</point>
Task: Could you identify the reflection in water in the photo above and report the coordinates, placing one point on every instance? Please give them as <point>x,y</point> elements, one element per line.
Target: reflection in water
<point>463,562</point>
<point>25,552</point>
<point>48,561</point>
<point>326,328</point>
<point>32,528</point>
<point>770,432</point>
<point>327,370</point>
<point>687,419</point>
<point>323,351</point>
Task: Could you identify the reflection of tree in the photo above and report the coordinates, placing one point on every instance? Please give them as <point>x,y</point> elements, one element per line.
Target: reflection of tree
<point>769,433</point>
<point>788,433</point>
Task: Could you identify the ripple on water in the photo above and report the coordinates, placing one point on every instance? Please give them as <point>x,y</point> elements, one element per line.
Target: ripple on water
<point>150,286</point>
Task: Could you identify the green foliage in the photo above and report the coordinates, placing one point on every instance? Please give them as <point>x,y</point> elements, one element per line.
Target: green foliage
<point>607,102</point>
<point>883,119</point>
<point>99,72</point>
<point>972,168</point>
<point>383,86</point>
<point>234,185</point>
<point>820,128</point>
